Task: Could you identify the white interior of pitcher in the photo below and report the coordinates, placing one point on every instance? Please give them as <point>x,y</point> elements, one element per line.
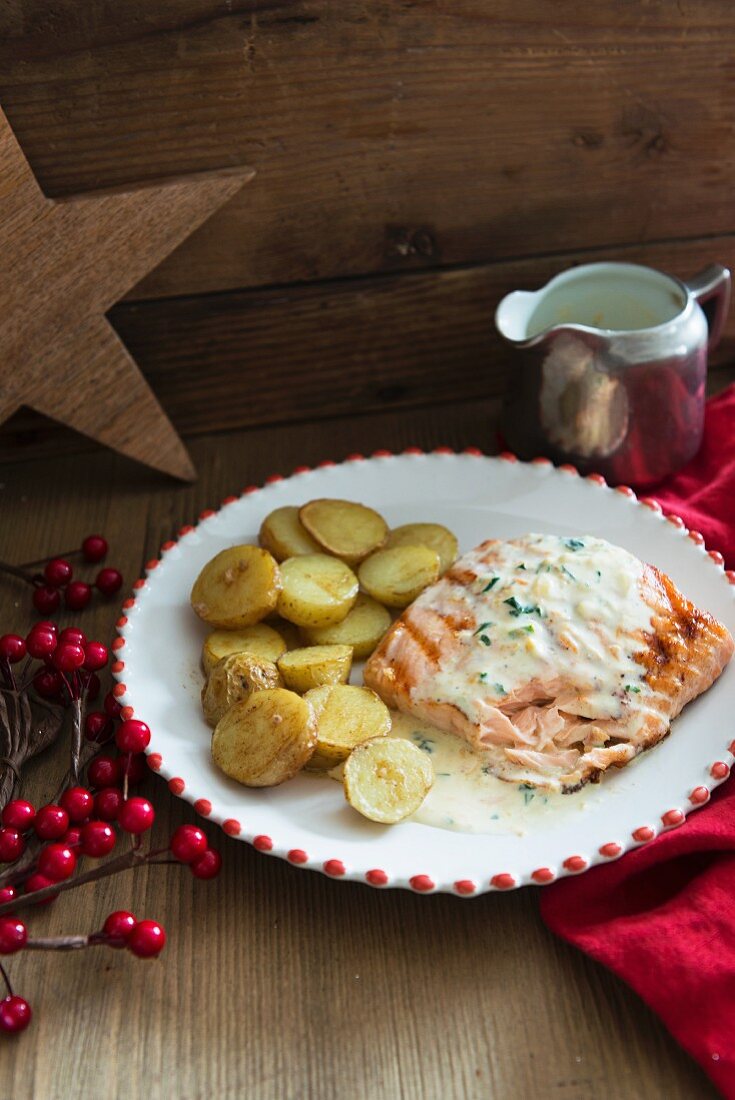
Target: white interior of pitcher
<point>608,296</point>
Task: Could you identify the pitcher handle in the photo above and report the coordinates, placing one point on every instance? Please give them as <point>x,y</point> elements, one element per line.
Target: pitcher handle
<point>712,285</point>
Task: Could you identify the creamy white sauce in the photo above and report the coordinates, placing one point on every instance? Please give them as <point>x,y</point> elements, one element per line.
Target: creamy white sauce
<point>467,798</point>
<point>543,607</point>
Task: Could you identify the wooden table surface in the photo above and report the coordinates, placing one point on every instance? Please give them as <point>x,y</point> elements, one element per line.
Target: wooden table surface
<point>277,983</point>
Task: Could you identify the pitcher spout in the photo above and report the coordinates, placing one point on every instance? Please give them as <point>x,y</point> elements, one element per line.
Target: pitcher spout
<point>513,315</point>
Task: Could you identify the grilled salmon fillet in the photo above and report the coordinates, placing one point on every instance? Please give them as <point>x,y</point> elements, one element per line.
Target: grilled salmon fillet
<point>556,658</point>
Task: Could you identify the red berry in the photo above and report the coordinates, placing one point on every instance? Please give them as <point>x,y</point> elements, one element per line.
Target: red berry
<point>12,845</point>
<point>147,939</point>
<point>188,843</point>
<point>92,687</point>
<point>58,572</point>
<point>13,935</point>
<point>12,648</point>
<point>136,815</point>
<point>57,862</point>
<point>97,839</point>
<point>48,683</point>
<point>103,771</point>
<point>95,656</point>
<point>41,642</point>
<point>77,595</point>
<point>46,624</point>
<point>109,581</point>
<point>68,656</point>
<point>74,635</point>
<point>72,837</point>
<point>111,705</point>
<point>7,893</point>
<point>40,882</point>
<point>94,548</point>
<point>51,822</point>
<point>15,1013</point>
<point>119,926</point>
<point>132,736</point>
<point>19,814</point>
<point>46,599</point>
<point>78,803</point>
<point>132,768</point>
<point>97,726</point>
<point>207,865</point>
<point>107,803</point>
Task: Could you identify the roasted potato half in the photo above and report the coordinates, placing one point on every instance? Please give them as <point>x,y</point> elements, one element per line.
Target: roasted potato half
<point>313,666</point>
<point>432,535</point>
<point>237,588</point>
<point>316,590</point>
<point>397,576</point>
<point>234,678</point>
<point>347,530</point>
<point>258,640</point>
<point>345,716</point>
<point>387,779</point>
<point>362,628</point>
<point>282,534</point>
<point>265,739</point>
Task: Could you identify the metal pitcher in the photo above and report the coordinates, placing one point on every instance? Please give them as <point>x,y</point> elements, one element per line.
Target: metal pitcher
<point>612,367</point>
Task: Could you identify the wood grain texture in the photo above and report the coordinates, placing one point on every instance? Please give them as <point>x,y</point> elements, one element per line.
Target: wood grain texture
<point>287,354</point>
<point>63,263</point>
<point>279,984</point>
<point>424,133</point>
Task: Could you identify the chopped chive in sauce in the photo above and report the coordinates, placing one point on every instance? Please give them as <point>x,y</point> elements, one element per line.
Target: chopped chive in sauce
<point>568,572</point>
<point>481,627</point>
<point>491,584</point>
<point>574,544</point>
<point>599,574</point>
<point>424,743</point>
<point>521,566</point>
<point>482,677</point>
<point>517,609</point>
<point>519,630</point>
<point>499,688</point>
<point>635,690</point>
<point>543,567</point>
<point>485,640</point>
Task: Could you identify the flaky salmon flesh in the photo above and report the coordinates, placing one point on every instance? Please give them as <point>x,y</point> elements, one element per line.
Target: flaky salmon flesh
<point>554,657</point>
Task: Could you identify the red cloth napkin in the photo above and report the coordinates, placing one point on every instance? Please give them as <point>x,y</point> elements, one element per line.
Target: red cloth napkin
<point>663,917</point>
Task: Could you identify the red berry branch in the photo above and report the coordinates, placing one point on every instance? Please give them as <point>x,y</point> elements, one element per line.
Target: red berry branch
<point>57,577</point>
<point>56,847</point>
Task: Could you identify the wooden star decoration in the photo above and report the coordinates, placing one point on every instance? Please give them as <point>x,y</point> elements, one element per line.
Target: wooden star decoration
<point>63,264</point>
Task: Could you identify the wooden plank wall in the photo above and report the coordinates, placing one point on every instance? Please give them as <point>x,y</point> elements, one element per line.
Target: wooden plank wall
<point>416,159</point>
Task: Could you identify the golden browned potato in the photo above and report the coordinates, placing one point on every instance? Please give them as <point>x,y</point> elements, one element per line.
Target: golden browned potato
<point>284,536</point>
<point>303,669</point>
<point>397,576</point>
<point>345,716</point>
<point>266,739</point>
<point>362,628</point>
<point>387,779</point>
<point>235,678</point>
<point>317,590</point>
<point>238,587</point>
<point>347,530</point>
<point>432,535</point>
<point>258,640</point>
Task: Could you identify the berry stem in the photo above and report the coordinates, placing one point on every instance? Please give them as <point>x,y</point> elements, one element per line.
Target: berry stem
<point>77,721</point>
<point>42,561</point>
<point>6,979</point>
<point>66,943</point>
<point>14,571</point>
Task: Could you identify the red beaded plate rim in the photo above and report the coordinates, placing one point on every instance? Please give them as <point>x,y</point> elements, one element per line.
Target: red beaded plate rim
<point>421,882</point>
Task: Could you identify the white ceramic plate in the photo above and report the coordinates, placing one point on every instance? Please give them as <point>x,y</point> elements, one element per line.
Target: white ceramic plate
<point>307,821</point>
